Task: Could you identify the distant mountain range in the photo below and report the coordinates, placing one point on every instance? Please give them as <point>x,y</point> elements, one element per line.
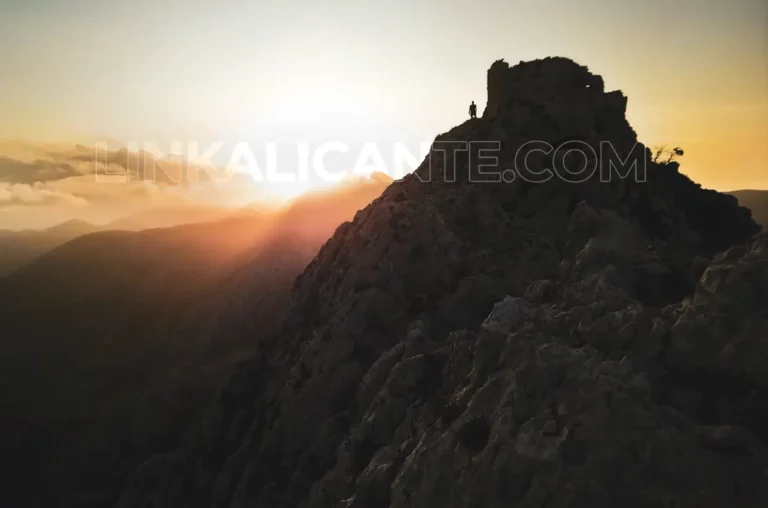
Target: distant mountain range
<point>113,341</point>
<point>757,201</point>
<point>164,217</point>
<point>17,248</point>
<point>20,247</point>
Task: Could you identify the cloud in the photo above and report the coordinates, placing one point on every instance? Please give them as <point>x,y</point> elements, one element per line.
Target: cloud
<point>40,170</point>
<point>142,165</point>
<point>41,185</point>
<point>37,194</point>
<point>28,163</point>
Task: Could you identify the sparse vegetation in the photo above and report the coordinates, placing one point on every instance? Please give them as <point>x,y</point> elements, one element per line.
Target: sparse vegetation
<point>664,155</point>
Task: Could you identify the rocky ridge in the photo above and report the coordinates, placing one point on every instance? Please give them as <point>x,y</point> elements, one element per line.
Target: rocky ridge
<point>506,344</point>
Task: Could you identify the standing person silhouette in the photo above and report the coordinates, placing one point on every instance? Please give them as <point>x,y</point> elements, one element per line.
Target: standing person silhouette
<point>473,110</point>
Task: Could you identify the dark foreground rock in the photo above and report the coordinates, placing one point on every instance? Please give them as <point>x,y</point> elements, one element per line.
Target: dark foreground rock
<point>464,344</point>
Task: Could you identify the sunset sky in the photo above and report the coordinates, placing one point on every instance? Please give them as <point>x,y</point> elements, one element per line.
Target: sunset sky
<point>79,71</point>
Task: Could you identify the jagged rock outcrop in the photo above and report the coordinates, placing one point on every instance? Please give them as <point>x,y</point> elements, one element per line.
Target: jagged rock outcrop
<point>505,344</point>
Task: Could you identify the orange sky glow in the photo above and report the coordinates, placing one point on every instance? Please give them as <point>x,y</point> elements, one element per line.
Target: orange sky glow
<point>228,71</point>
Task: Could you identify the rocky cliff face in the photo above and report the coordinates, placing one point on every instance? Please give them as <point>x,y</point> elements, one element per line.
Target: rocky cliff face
<point>506,344</point>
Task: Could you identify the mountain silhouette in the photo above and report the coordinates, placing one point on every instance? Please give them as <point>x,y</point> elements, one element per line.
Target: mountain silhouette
<point>458,343</point>
<point>18,248</point>
<point>113,342</point>
<point>757,202</point>
<point>169,216</point>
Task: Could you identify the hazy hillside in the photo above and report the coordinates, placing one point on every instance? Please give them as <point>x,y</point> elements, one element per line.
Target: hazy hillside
<point>114,341</point>
<point>164,217</point>
<point>18,248</point>
<point>757,201</point>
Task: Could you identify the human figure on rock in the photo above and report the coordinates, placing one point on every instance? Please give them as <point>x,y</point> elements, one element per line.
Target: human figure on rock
<point>473,110</point>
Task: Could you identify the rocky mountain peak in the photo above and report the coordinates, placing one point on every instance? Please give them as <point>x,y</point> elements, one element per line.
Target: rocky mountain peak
<point>547,81</point>
<point>505,342</point>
